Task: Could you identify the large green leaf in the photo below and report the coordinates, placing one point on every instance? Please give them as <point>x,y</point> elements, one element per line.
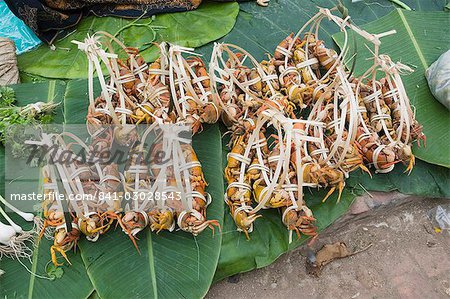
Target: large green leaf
<point>270,238</point>
<point>170,265</point>
<point>421,38</point>
<point>426,180</point>
<point>193,29</point>
<point>17,282</point>
<point>259,30</point>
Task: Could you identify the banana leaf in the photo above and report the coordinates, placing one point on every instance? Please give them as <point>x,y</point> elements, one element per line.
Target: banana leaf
<point>270,237</point>
<point>269,240</point>
<point>17,282</point>
<point>170,264</point>
<point>239,255</point>
<point>420,39</point>
<point>191,29</point>
<point>425,180</point>
<point>259,30</point>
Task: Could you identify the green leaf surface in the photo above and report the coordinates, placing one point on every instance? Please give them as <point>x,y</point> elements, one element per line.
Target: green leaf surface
<point>421,38</point>
<point>259,30</point>
<point>426,180</point>
<point>193,29</point>
<point>170,265</point>
<point>270,237</point>
<point>17,282</point>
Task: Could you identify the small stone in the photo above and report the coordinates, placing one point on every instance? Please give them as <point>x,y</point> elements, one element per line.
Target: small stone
<point>431,244</point>
<point>365,229</point>
<point>381,224</point>
<point>359,206</point>
<point>273,285</point>
<point>447,291</point>
<point>234,278</point>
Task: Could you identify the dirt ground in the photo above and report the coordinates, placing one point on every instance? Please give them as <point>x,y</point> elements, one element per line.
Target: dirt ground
<point>408,259</point>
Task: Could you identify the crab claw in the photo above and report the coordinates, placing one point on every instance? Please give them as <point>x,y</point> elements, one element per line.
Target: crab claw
<point>422,138</point>
<point>53,250</point>
<point>365,169</point>
<point>113,215</point>
<point>329,193</point>
<point>209,223</point>
<point>244,221</point>
<point>300,220</point>
<point>161,220</point>
<point>412,161</point>
<point>340,187</point>
<point>263,2</point>
<point>129,233</point>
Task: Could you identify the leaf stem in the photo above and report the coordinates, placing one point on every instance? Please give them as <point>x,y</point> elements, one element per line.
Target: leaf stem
<point>401,4</point>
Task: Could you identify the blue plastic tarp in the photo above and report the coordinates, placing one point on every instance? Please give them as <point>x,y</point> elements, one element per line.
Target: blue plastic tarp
<point>15,29</point>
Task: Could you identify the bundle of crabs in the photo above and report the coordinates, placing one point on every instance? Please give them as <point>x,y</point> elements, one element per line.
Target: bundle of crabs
<point>298,120</point>
<point>161,186</point>
<point>301,120</point>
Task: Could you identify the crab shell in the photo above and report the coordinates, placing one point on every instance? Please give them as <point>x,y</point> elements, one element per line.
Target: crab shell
<point>61,236</point>
<point>142,220</point>
<point>84,223</point>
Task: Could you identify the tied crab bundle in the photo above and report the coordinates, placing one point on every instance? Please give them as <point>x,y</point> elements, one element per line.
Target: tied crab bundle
<point>358,113</point>
<point>315,77</point>
<point>263,177</point>
<point>388,123</point>
<point>285,173</point>
<point>165,184</point>
<point>350,123</point>
<point>118,103</point>
<point>190,88</point>
<point>89,187</point>
<point>171,90</point>
<point>243,87</point>
<point>384,124</point>
<point>65,237</point>
<point>179,179</point>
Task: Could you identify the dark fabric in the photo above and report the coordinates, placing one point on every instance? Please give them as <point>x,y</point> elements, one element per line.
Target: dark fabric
<point>50,18</point>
